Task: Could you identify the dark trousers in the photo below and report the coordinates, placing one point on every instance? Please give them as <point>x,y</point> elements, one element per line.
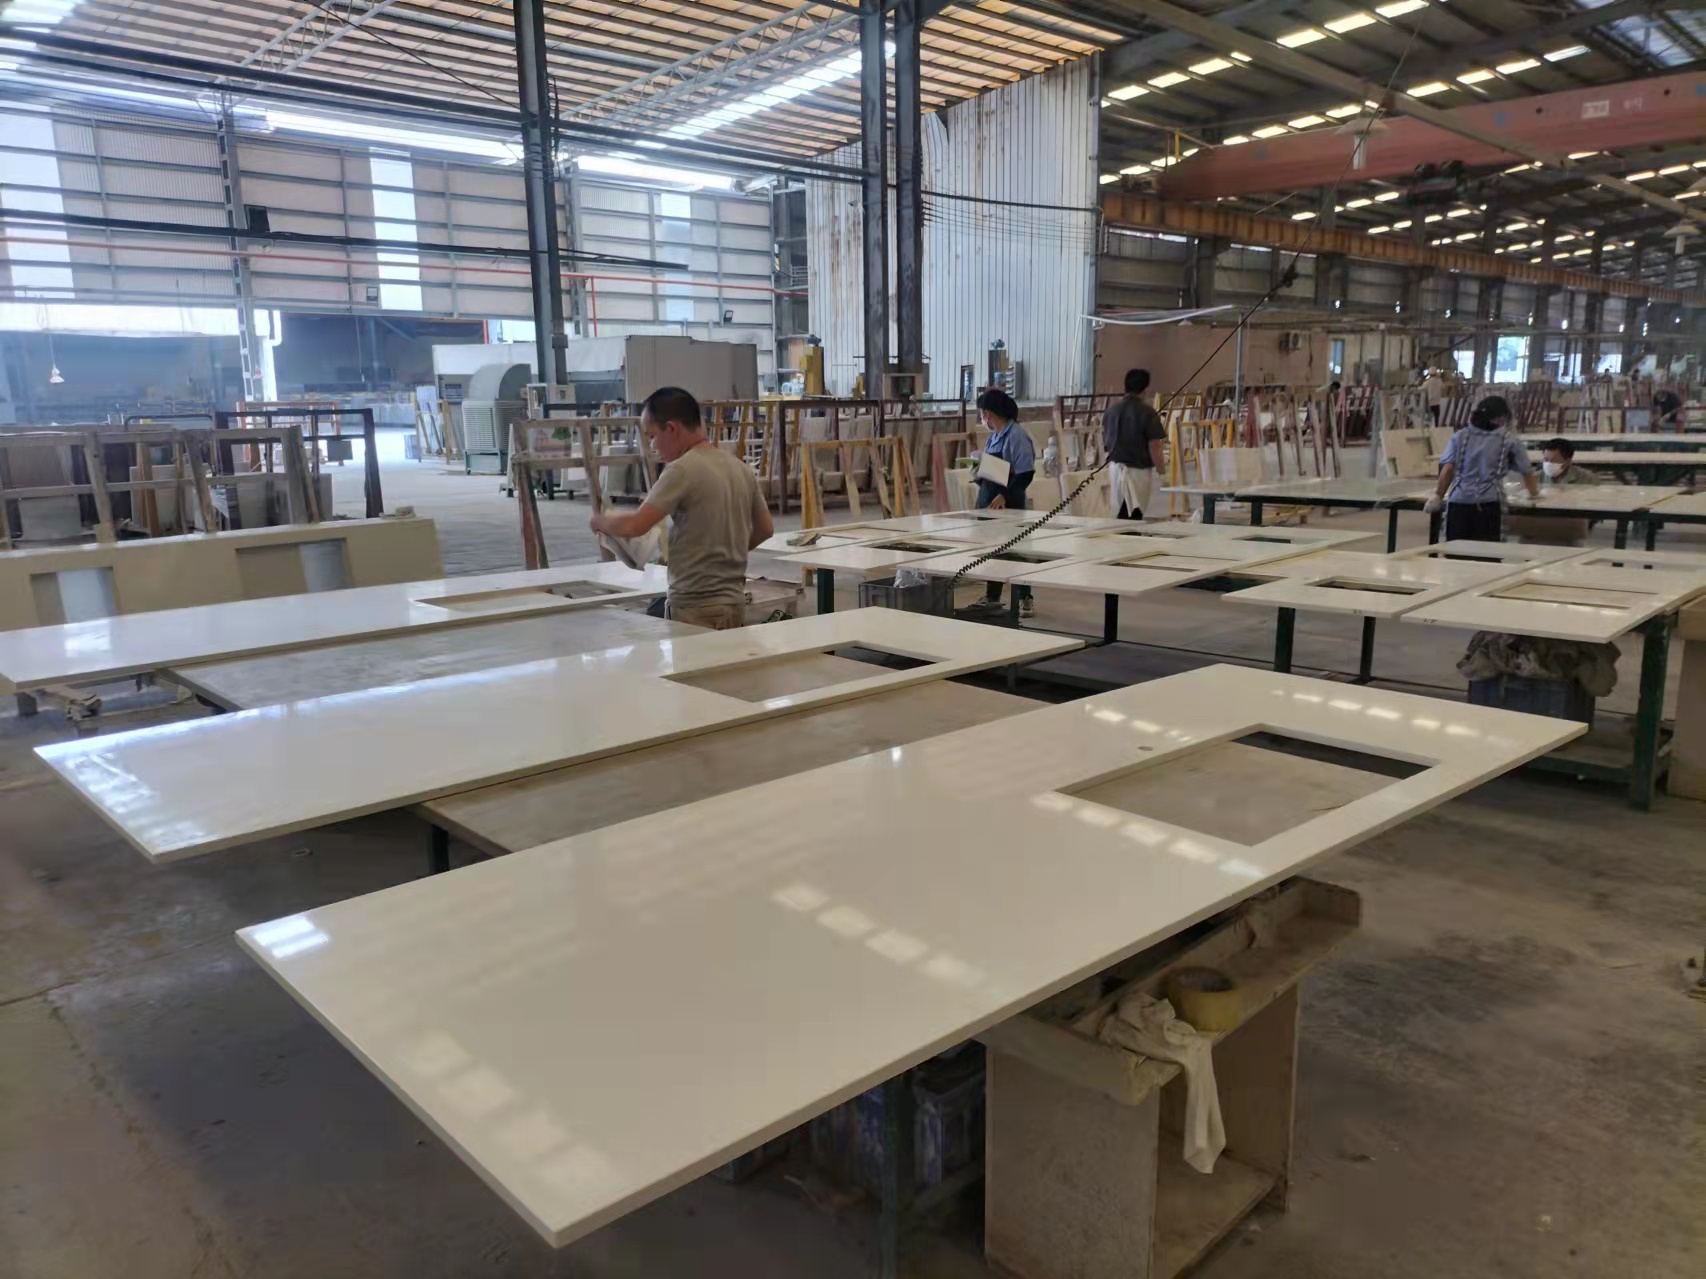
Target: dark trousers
<point>1473,521</point>
<point>1015,493</point>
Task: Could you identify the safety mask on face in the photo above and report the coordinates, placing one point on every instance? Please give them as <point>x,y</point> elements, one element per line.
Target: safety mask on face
<point>1553,469</point>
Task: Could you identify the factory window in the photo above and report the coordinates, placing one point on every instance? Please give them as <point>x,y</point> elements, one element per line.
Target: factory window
<point>1510,359</point>
<point>394,219</point>
<point>1336,357</point>
<point>29,182</point>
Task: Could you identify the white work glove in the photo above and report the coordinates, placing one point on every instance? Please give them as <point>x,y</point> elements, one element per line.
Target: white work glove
<point>1521,499</point>
<point>1434,505</point>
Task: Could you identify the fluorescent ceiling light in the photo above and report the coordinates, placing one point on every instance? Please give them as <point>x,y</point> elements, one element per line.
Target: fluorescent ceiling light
<point>1460,213</point>
<point>1357,204</point>
<point>1294,39</point>
<point>1475,76</point>
<point>1433,217</point>
<point>1384,196</point>
<point>1399,9</point>
<point>1211,66</point>
<point>807,82</point>
<point>1236,140</point>
<point>1514,226</point>
<point>1350,22</point>
<point>1378,230</point>
<point>1350,108</point>
<point>1521,64</point>
<point>1579,252</point>
<point>1523,168</point>
<point>1558,55</point>
<point>1467,235</point>
<point>1582,155</point>
<point>1405,225</point>
<point>1302,217</point>
<point>1127,93</point>
<point>1307,121</point>
<point>1643,175</point>
<point>1270,131</point>
<point>1132,170</point>
<point>1566,237</point>
<point>1429,89</point>
<point>1674,168</point>
<point>1167,79</point>
<point>1240,57</point>
<point>1108,177</point>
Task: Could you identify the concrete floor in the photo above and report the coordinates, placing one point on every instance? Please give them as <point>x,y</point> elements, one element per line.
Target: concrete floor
<point>1499,1076</point>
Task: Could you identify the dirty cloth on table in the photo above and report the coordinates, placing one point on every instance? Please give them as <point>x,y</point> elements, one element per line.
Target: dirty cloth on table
<point>1490,653</point>
<point>1146,1025</point>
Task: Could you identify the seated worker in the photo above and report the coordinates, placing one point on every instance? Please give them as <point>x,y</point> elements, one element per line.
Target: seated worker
<point>1010,442</point>
<point>1559,468</point>
<point>716,514</point>
<point>1137,448</point>
<point>1472,470</point>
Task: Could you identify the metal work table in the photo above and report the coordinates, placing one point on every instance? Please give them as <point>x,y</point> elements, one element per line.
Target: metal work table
<point>1594,440</point>
<point>1392,495</point>
<point>1639,466</point>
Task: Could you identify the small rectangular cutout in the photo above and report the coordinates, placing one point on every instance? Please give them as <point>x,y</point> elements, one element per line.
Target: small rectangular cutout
<point>501,601</point>
<point>73,595</point>
<point>796,673</point>
<point>1372,588</point>
<point>1175,563</point>
<point>1582,596</point>
<point>1027,557</point>
<point>918,547</point>
<point>1467,559</point>
<point>1247,790</point>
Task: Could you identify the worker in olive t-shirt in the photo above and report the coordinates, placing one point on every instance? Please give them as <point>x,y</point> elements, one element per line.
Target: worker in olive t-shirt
<point>716,513</point>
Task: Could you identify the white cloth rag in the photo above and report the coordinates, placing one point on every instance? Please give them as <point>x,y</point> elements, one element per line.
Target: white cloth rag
<point>1146,1025</point>
<point>1133,487</point>
<point>635,552</point>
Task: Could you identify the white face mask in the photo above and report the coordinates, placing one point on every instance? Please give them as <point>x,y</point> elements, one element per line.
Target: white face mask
<point>1553,469</point>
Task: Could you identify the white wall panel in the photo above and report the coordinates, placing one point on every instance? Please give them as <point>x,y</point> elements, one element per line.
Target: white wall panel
<point>1014,262</point>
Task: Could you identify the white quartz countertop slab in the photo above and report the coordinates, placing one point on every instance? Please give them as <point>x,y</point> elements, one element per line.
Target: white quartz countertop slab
<point>1567,601</point>
<point>1370,585</point>
<point>1612,499</point>
<point>596,1021</point>
<point>1144,565</point>
<point>1463,549</point>
<point>1377,492</point>
<point>1683,504</point>
<point>141,642</point>
<point>181,789</point>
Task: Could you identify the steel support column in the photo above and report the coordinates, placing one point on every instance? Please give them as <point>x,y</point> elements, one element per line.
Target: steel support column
<point>873,187</point>
<point>1199,283</point>
<point>908,187</point>
<point>539,176</point>
<point>242,282</point>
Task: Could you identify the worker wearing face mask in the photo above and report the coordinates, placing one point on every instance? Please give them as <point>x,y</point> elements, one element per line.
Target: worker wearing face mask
<point>1560,465</point>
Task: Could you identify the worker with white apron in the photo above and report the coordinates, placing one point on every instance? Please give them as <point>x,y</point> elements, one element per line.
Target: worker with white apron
<point>1137,446</point>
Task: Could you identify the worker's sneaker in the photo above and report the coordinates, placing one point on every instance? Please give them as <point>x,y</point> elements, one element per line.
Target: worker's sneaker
<point>1027,607</point>
<point>983,606</point>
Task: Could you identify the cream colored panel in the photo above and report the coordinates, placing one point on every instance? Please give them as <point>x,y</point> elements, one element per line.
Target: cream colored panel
<point>596,1021</point>
<point>304,764</point>
<point>1568,601</point>
<point>1372,585</point>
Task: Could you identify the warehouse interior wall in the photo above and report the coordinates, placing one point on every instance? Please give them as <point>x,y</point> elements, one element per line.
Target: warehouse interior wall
<point>106,374</point>
<point>1173,352</point>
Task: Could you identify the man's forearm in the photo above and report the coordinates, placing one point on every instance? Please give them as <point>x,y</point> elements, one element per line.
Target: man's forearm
<point>620,524</point>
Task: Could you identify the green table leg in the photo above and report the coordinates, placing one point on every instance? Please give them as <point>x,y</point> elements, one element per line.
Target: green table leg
<point>1649,712</point>
<point>826,590</point>
<point>897,1171</point>
<point>1285,627</point>
<point>1621,540</point>
<point>1653,532</point>
<point>1391,530</point>
<point>1255,512</point>
<point>1208,504</point>
<point>1110,618</point>
<point>1436,521</point>
<point>1365,664</point>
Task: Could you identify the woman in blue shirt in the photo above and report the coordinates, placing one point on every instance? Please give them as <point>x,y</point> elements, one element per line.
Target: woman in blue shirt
<point>999,414</point>
<point>1472,471</point>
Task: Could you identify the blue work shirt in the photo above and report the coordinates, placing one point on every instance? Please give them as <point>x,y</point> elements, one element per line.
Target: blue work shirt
<point>1012,444</point>
<point>1483,458</point>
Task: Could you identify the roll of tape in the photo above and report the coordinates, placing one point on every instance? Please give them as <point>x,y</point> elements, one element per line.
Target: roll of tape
<point>1206,998</point>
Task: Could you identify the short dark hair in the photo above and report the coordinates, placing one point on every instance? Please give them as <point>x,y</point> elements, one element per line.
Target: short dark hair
<point>998,402</point>
<point>672,404</point>
<point>1558,444</point>
<point>1136,381</point>
<point>1489,411</point>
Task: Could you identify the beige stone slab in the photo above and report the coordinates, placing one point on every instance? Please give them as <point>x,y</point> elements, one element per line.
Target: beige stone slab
<point>1148,566</point>
<point>1682,504</point>
<point>1567,601</point>
<point>1371,585</point>
<point>1375,492</point>
<point>1592,458</point>
<point>568,801</point>
<point>147,574</point>
<point>305,764</point>
<point>594,1022</point>
<point>1608,499</point>
<point>405,659</point>
<point>1466,549</point>
<point>118,646</point>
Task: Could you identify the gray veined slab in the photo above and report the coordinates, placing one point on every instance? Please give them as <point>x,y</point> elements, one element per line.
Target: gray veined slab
<point>141,642</point>
<point>596,1021</point>
<point>1568,601</point>
<point>1371,585</point>
<point>304,764</point>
